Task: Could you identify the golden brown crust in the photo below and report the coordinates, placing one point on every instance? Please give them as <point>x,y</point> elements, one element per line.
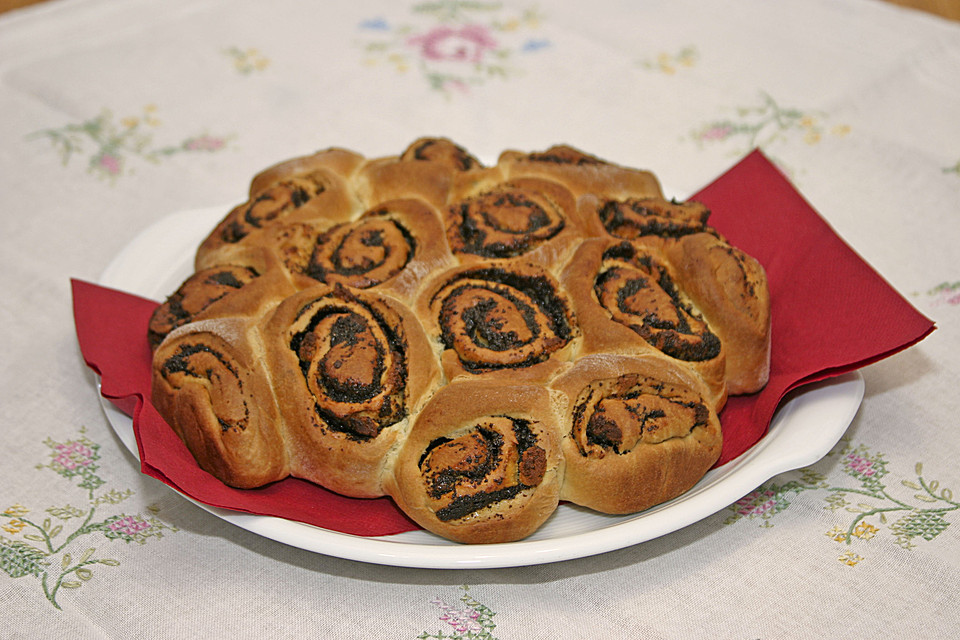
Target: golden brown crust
<point>211,386</point>
<point>246,288</point>
<point>638,432</point>
<point>730,289</point>
<point>628,301</point>
<point>349,368</point>
<point>392,178</point>
<point>581,172</point>
<point>482,462</point>
<point>341,162</point>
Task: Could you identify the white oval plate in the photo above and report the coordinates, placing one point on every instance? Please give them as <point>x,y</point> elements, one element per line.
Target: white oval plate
<point>803,430</point>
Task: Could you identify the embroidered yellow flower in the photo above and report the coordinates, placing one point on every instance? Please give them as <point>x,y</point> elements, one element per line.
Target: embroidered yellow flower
<point>850,559</point>
<point>14,526</point>
<point>838,534</point>
<point>865,531</point>
<point>16,510</point>
<point>247,61</point>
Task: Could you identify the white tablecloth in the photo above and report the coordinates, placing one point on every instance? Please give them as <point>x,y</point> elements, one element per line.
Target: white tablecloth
<point>116,114</point>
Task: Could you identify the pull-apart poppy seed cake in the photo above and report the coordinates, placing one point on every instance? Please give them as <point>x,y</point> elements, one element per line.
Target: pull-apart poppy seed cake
<point>477,342</point>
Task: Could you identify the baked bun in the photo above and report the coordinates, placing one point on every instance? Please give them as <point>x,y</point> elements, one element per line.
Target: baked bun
<point>653,219</point>
<point>349,369</point>
<point>528,217</point>
<point>211,386</point>
<point>730,289</point>
<point>482,462</point>
<point>639,432</point>
<point>477,342</point>
<point>581,172</point>
<point>509,320</point>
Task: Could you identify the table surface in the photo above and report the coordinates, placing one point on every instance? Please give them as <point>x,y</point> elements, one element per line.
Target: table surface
<point>115,115</point>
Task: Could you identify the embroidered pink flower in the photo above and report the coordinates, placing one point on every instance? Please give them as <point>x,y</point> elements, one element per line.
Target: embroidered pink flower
<point>461,621</point>
<point>129,525</point>
<point>756,503</point>
<point>717,132</point>
<point>468,43</point>
<point>204,143</point>
<point>71,455</point>
<point>860,465</point>
<point>109,163</point>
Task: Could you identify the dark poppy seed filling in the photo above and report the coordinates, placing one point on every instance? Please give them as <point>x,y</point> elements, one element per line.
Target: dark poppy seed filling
<point>503,223</point>
<point>494,461</point>
<point>564,156</point>
<point>616,415</point>
<point>202,362</point>
<point>636,218</point>
<point>495,318</point>
<point>364,253</point>
<point>353,360</point>
<point>639,293</point>
<point>440,150</point>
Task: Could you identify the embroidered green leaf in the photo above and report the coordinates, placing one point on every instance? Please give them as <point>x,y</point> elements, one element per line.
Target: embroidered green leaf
<point>18,559</point>
<point>110,562</point>
<point>947,495</point>
<point>66,512</point>
<point>34,537</point>
<point>924,497</point>
<point>65,561</point>
<point>919,469</point>
<point>84,574</point>
<point>70,584</point>
<point>910,484</point>
<point>86,554</point>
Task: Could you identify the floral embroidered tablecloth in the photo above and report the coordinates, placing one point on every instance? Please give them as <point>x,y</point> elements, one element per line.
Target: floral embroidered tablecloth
<point>115,115</point>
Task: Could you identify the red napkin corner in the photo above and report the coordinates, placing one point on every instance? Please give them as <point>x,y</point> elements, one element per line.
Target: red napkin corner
<point>831,314</point>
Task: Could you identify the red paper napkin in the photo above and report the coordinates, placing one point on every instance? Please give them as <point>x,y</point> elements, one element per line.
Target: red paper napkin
<point>832,313</point>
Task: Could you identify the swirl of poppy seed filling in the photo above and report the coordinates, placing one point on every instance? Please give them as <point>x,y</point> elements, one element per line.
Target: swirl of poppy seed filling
<point>354,362</point>
<point>635,218</point>
<point>271,203</point>
<point>208,368</point>
<point>197,292</point>
<point>564,156</point>
<point>503,223</point>
<point>494,319</point>
<point>442,151</point>
<point>362,254</point>
<point>619,414</point>
<point>639,293</point>
<point>493,461</point>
